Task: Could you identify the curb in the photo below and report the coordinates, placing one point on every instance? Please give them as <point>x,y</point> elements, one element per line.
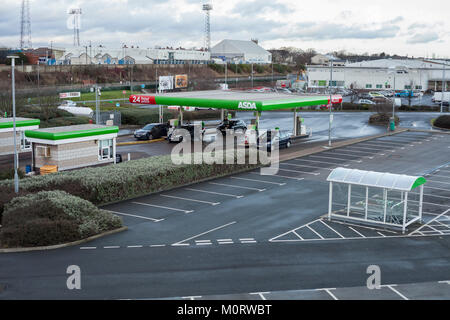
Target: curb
<point>138,142</point>
<point>63,245</point>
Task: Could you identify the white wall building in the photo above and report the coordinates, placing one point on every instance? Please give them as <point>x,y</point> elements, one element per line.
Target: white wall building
<point>102,55</point>
<point>381,75</point>
<point>239,51</point>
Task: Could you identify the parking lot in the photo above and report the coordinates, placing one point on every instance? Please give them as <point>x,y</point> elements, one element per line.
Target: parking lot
<point>249,233</point>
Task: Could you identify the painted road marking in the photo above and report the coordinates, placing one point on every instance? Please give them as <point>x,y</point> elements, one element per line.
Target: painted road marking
<point>340,235</point>
<point>256,180</point>
<point>431,221</point>
<point>203,233</point>
<point>131,247</point>
<point>374,148</point>
<point>317,161</point>
<point>277,175</point>
<point>302,165</point>
<point>328,290</point>
<point>162,207</point>
<point>88,248</point>
<point>111,247</point>
<point>347,155</point>
<point>157,245</point>
<point>390,145</point>
<point>363,152</point>
<point>218,193</point>
<point>427,187</point>
<point>235,186</point>
<point>318,234</point>
<point>225,241</point>
<point>260,294</point>
<point>247,240</point>
<point>203,242</point>
<point>357,232</point>
<point>193,200</point>
<point>391,286</point>
<point>340,159</point>
<point>304,172</point>
<point>135,216</point>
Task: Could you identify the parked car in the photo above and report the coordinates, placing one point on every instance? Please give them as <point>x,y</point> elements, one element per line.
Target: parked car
<point>387,93</point>
<point>405,94</point>
<point>282,138</point>
<point>178,133</point>
<point>376,94</point>
<point>118,158</point>
<point>151,131</point>
<point>366,101</point>
<point>236,125</point>
<point>366,96</point>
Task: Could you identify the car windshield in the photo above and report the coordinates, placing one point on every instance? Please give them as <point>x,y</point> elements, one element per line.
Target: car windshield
<point>149,127</point>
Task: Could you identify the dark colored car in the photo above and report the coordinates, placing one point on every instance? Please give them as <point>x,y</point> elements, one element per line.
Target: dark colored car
<point>366,96</point>
<point>234,125</point>
<point>177,134</point>
<point>270,141</point>
<point>151,131</point>
<point>118,158</point>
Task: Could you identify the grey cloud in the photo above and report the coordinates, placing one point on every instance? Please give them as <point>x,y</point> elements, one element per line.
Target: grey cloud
<point>251,8</point>
<point>423,38</point>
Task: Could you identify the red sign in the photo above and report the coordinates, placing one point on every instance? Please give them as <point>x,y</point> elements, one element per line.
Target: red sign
<point>142,99</point>
<point>335,99</point>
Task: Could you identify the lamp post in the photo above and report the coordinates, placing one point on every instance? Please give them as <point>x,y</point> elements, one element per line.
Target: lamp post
<point>444,82</point>
<point>16,159</point>
<point>331,102</point>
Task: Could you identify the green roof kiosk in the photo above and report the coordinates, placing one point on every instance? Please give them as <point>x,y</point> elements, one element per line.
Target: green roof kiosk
<point>73,147</point>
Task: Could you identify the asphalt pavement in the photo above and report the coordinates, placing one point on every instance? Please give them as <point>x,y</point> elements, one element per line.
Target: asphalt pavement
<point>248,233</point>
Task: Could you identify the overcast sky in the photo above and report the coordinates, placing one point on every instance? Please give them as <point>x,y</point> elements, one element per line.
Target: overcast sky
<point>412,27</point>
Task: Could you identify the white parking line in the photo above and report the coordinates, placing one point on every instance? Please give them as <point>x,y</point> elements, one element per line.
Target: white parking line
<point>340,235</point>
<point>277,175</point>
<point>357,232</point>
<point>318,234</point>
<point>203,242</point>
<point>131,247</point>
<point>427,187</point>
<point>163,207</point>
<point>396,291</point>
<point>88,248</point>
<point>436,181</point>
<point>302,165</point>
<point>218,193</point>
<point>431,221</point>
<point>111,247</point>
<point>235,186</point>
<point>298,171</point>
<point>203,233</point>
<point>316,161</point>
<point>388,149</point>
<point>262,181</point>
<point>158,245</point>
<point>381,234</point>
<point>340,159</point>
<point>437,175</point>
<point>135,216</point>
<point>193,200</point>
<point>346,154</point>
<point>363,152</point>
<point>260,294</point>
<point>388,144</point>
<point>329,292</point>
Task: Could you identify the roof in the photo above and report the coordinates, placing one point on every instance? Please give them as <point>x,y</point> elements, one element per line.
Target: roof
<point>376,179</point>
<point>238,46</point>
<point>71,132</point>
<point>234,100</point>
<point>6,123</point>
<point>399,63</point>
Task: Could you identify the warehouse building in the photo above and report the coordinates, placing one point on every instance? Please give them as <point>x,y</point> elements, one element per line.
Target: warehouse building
<point>7,134</point>
<point>382,74</point>
<point>71,147</point>
<point>242,52</point>
<point>125,55</point>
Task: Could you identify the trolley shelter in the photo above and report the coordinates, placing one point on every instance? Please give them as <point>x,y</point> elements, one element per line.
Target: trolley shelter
<point>374,197</point>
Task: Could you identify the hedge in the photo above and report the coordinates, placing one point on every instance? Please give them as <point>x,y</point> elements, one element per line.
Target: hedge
<point>101,185</point>
<point>442,122</point>
<point>52,217</point>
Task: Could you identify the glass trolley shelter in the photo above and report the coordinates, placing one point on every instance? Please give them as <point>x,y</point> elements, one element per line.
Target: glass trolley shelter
<point>374,197</point>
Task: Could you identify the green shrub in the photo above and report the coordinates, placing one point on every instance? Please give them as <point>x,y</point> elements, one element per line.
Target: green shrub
<point>219,68</point>
<point>101,185</point>
<point>144,116</point>
<point>52,217</point>
<point>9,173</point>
<point>442,122</point>
<point>382,119</point>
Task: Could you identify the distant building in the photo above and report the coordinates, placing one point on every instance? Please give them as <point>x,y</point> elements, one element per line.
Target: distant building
<point>382,74</point>
<point>125,56</point>
<point>239,51</point>
<point>324,59</point>
<point>7,134</point>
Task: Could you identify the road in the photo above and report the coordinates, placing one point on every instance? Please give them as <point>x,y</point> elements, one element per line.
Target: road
<point>248,233</point>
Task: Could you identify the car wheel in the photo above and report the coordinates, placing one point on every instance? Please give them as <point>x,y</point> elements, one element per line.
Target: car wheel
<point>288,144</point>
<point>149,137</point>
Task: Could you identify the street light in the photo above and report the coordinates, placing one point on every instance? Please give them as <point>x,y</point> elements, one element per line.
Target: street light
<point>331,101</point>
<point>16,159</point>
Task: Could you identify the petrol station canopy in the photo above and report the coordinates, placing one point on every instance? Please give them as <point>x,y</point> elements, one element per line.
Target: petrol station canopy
<point>236,100</point>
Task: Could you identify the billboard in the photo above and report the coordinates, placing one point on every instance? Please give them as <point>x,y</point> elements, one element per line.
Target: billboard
<point>165,83</point>
<point>66,95</point>
<point>181,81</point>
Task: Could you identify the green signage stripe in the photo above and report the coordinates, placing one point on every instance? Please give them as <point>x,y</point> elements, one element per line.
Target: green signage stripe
<point>70,134</point>
<point>243,105</point>
<point>20,123</point>
<point>420,181</point>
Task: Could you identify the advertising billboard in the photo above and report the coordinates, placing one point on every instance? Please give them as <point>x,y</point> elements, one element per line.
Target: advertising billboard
<point>165,83</point>
<point>181,81</point>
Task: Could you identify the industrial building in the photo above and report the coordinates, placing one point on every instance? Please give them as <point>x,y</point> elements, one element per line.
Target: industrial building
<point>7,134</point>
<point>382,74</point>
<point>73,147</point>
<point>239,51</point>
<point>125,55</point>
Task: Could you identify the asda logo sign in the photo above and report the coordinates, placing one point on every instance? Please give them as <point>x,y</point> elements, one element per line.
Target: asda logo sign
<point>247,105</point>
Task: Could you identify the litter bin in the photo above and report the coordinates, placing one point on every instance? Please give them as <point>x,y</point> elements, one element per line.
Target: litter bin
<point>392,124</point>
<point>28,169</point>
